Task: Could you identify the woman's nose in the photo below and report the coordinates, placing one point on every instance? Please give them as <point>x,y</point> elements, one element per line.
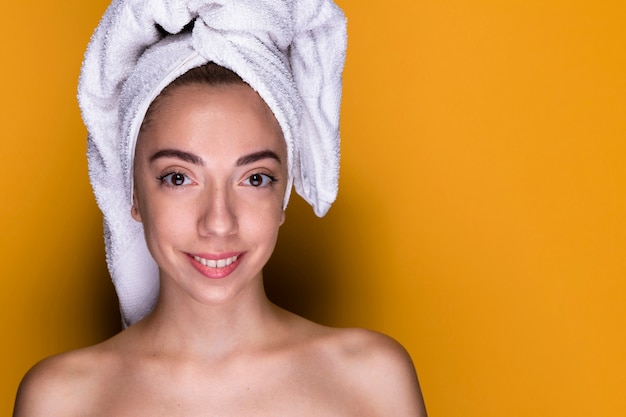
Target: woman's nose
<point>218,214</point>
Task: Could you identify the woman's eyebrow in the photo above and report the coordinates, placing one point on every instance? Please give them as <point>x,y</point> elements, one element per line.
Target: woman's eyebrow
<point>175,153</point>
<point>257,156</point>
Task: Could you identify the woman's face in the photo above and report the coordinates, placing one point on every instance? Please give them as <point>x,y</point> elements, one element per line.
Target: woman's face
<point>210,175</point>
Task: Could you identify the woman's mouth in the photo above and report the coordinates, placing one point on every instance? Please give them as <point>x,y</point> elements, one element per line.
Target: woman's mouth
<point>218,266</point>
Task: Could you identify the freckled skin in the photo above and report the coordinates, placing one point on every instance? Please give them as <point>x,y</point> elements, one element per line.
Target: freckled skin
<point>215,345</point>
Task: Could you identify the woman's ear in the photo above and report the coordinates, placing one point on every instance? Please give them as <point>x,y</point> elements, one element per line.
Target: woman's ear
<point>134,210</point>
<point>282,218</point>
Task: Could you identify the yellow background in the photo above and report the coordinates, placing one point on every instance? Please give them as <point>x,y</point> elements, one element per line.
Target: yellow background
<point>480,219</point>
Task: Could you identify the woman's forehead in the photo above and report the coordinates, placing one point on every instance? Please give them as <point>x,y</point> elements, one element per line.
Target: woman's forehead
<point>197,115</point>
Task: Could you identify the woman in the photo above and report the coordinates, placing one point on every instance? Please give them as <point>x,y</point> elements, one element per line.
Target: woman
<point>210,167</point>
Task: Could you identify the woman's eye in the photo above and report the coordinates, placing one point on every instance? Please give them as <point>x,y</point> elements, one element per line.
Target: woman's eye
<point>175,179</point>
<point>259,180</point>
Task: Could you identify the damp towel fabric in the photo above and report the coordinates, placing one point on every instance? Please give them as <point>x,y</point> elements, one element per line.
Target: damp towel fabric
<point>291,52</point>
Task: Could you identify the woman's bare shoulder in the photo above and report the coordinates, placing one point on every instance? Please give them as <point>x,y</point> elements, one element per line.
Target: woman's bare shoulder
<point>59,385</point>
<point>378,367</point>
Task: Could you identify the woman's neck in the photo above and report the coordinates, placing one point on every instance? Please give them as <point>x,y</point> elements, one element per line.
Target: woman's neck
<point>180,324</point>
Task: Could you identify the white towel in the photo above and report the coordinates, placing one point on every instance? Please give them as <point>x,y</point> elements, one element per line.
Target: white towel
<point>291,52</point>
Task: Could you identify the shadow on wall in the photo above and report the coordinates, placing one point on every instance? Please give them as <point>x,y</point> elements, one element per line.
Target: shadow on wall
<point>314,271</point>
<point>104,305</point>
<point>299,275</point>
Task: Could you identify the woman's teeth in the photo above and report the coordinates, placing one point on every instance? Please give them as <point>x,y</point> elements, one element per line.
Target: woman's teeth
<point>219,263</point>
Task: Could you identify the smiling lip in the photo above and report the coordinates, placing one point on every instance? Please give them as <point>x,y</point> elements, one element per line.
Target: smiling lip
<point>215,266</point>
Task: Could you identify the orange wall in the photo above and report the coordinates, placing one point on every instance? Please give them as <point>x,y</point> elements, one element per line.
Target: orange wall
<point>480,219</point>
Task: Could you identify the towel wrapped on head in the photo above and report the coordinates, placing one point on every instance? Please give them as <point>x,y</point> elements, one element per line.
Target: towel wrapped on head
<point>291,52</point>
